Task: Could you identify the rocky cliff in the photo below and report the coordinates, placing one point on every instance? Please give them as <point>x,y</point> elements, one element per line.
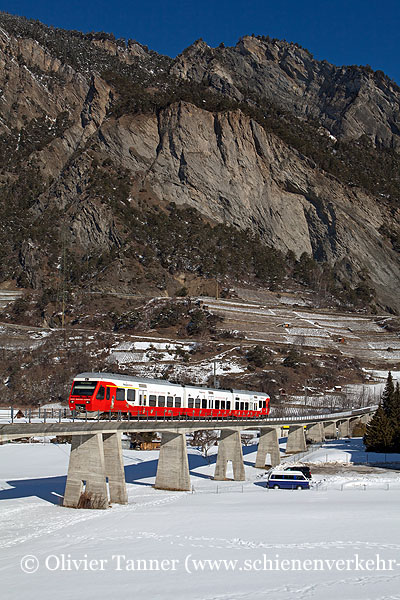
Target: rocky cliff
<point>94,131</point>
<point>348,101</point>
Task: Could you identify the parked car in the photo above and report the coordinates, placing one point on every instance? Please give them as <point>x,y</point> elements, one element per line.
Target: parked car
<point>289,480</point>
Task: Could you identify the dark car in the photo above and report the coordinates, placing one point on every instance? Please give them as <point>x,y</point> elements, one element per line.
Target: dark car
<point>305,470</point>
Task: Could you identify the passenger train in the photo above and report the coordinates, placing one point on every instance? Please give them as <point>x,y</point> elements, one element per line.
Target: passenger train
<point>136,397</point>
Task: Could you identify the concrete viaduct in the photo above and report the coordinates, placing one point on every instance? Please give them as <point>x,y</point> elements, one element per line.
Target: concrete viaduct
<point>96,453</point>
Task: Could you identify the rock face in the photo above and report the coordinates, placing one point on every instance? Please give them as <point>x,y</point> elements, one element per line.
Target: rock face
<point>348,101</point>
<point>231,170</point>
<point>222,163</point>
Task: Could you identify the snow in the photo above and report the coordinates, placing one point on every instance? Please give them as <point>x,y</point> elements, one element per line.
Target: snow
<point>344,517</point>
<point>4,33</point>
<point>384,374</point>
<point>143,352</point>
<point>350,451</point>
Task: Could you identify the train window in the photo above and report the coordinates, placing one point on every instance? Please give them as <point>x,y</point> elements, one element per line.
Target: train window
<point>84,388</point>
<point>100,393</point>
<point>190,402</point>
<point>242,406</point>
<point>260,402</point>
<point>236,405</point>
<point>161,400</point>
<point>108,394</point>
<point>131,395</point>
<point>152,400</point>
<point>217,404</point>
<point>170,401</point>
<point>204,403</point>
<point>120,394</point>
<point>228,404</point>
<point>246,406</point>
<point>178,401</point>
<point>197,403</point>
<point>223,404</point>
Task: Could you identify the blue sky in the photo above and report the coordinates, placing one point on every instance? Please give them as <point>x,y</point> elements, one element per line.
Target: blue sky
<point>342,32</point>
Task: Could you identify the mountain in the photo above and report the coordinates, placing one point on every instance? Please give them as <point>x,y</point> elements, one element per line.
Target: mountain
<point>126,171</point>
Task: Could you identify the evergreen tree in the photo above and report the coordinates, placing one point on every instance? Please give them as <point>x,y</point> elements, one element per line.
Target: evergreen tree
<point>386,398</point>
<point>379,434</point>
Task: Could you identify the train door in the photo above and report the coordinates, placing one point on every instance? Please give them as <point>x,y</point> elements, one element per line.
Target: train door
<point>119,399</point>
<point>142,401</point>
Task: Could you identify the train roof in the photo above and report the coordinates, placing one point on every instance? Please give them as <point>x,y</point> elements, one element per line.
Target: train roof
<point>122,377</point>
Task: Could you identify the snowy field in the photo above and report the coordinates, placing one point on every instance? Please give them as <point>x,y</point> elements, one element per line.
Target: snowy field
<point>275,544</point>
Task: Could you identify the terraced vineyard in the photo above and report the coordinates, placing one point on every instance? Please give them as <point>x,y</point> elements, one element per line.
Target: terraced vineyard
<point>280,324</point>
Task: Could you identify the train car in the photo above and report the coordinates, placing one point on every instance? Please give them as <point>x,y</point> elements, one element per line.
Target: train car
<point>155,398</point>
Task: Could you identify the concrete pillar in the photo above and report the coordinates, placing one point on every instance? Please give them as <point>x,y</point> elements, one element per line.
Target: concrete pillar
<point>315,432</point>
<point>229,449</point>
<point>114,468</point>
<point>330,430</point>
<point>86,464</point>
<point>296,441</point>
<point>353,421</point>
<point>268,444</point>
<point>173,465</point>
<point>365,419</point>
<point>344,428</point>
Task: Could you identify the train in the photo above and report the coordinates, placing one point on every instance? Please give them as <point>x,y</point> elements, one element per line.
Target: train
<point>156,398</point>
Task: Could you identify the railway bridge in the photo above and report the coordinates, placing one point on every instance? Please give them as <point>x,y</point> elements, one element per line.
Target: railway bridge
<point>96,453</point>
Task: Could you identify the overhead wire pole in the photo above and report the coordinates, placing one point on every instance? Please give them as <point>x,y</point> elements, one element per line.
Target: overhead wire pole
<point>63,260</point>
<point>215,374</point>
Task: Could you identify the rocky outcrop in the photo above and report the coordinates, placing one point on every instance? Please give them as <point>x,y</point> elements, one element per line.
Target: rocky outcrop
<point>348,101</point>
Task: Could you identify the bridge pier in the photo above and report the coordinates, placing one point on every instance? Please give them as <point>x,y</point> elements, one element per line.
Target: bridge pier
<point>296,441</point>
<point>173,465</point>
<point>229,449</point>
<point>86,464</point>
<point>114,468</point>
<point>92,460</point>
<point>330,430</point>
<point>268,444</point>
<point>365,419</point>
<point>315,432</point>
<point>344,428</point>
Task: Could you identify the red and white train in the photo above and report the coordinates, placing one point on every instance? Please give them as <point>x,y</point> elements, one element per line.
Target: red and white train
<point>108,392</point>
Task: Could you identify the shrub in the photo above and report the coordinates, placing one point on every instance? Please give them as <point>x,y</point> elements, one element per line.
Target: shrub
<point>258,356</point>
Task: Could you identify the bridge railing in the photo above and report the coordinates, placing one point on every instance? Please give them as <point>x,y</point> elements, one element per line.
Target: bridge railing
<point>58,415</point>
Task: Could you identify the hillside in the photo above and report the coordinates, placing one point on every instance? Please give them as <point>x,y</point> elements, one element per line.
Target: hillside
<point>130,172</point>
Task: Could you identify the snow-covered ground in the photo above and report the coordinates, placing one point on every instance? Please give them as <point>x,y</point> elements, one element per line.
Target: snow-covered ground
<point>281,544</point>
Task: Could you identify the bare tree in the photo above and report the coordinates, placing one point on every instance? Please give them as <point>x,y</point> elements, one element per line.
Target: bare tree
<point>204,440</point>
<point>247,439</point>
